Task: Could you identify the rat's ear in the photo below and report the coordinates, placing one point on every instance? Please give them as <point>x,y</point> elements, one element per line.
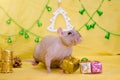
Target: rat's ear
<point>60,31</point>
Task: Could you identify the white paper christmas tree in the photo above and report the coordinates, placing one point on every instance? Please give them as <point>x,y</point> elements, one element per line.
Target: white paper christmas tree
<point>53,19</point>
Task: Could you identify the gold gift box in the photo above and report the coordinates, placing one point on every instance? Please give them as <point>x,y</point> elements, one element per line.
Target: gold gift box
<point>0,57</point>
<point>7,55</point>
<point>70,64</point>
<point>6,67</point>
<point>0,63</point>
<point>6,61</point>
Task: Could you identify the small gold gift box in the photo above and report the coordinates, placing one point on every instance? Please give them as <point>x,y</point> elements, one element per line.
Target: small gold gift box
<point>7,55</point>
<point>70,64</point>
<point>0,63</point>
<point>6,67</point>
<point>6,61</point>
<point>0,57</point>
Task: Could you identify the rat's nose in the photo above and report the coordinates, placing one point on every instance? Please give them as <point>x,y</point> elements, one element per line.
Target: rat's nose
<point>80,37</point>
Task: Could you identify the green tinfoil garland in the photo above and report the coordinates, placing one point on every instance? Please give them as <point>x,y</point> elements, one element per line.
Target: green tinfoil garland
<point>27,32</point>
<point>91,26</point>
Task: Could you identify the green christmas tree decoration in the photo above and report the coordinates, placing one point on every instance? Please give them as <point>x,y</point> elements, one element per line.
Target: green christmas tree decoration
<point>48,8</point>
<point>93,25</point>
<point>9,40</point>
<point>21,32</point>
<point>99,12</point>
<point>26,36</point>
<point>82,11</point>
<point>107,36</point>
<point>88,27</point>
<point>39,23</point>
<point>37,39</point>
<point>9,21</point>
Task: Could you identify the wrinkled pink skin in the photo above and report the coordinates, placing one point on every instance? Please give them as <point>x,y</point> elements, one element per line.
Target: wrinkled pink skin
<point>52,49</point>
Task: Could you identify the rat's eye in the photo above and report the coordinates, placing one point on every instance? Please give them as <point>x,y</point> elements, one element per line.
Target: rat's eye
<point>69,33</point>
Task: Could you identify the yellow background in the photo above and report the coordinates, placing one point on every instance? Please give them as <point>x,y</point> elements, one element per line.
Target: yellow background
<point>25,12</point>
<point>94,45</point>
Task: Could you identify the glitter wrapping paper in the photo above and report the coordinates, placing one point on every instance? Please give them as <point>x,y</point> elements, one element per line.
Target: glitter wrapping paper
<point>6,67</point>
<point>85,67</point>
<point>70,64</point>
<point>96,67</point>
<point>0,64</point>
<point>6,61</point>
<point>7,55</point>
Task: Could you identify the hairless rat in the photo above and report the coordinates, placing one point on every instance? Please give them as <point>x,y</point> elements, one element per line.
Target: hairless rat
<point>52,50</point>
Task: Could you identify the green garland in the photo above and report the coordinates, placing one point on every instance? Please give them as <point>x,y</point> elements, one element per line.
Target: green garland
<point>92,26</point>
<point>24,31</point>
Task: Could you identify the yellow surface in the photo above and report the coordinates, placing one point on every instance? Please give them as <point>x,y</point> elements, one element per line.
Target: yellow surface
<point>93,46</point>
<point>25,12</point>
<point>111,71</point>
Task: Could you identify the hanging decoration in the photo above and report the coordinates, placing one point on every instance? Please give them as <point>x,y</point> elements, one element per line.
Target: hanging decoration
<point>53,19</point>
<point>93,25</point>
<point>39,23</point>
<point>26,36</point>
<point>88,27</point>
<point>9,21</point>
<point>37,39</point>
<point>82,11</point>
<point>48,8</point>
<point>9,40</point>
<point>27,32</point>
<point>107,36</point>
<point>100,13</point>
<point>23,31</point>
